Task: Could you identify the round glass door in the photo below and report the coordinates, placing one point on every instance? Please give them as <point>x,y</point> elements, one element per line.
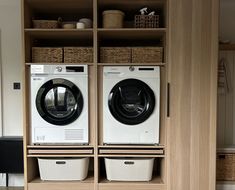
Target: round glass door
<point>59,101</point>
<point>131,101</point>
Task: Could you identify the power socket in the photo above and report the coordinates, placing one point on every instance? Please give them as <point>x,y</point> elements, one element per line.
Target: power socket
<point>16,85</point>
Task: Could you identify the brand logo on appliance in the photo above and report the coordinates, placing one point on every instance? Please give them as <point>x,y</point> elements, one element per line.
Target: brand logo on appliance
<point>59,69</point>
<point>37,78</point>
<point>131,68</point>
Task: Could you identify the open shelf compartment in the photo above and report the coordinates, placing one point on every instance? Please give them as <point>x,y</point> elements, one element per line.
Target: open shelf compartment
<point>157,181</point>
<point>35,182</point>
<point>131,8</point>
<point>69,10</point>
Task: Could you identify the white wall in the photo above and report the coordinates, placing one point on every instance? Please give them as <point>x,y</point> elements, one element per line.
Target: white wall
<point>11,65</point>
<point>227,23</point>
<point>11,55</point>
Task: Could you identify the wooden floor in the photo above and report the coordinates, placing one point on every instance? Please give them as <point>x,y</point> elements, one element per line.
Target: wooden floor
<point>11,188</point>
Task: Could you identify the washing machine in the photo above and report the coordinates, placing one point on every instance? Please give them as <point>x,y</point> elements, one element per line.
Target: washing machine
<point>131,104</point>
<point>59,104</point>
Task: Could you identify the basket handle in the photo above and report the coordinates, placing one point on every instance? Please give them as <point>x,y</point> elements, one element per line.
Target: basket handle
<point>221,156</point>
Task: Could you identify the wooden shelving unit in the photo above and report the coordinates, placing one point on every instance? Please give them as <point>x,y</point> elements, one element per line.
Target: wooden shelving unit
<point>189,34</point>
<point>95,37</point>
<point>229,47</point>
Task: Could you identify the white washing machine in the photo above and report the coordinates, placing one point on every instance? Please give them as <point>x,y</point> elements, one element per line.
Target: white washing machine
<point>131,104</point>
<point>59,104</point>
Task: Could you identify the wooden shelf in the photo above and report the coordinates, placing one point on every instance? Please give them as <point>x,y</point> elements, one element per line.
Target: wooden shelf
<point>225,183</point>
<point>131,64</point>
<point>132,155</point>
<point>38,184</point>
<point>131,151</point>
<point>155,180</point>
<point>60,33</point>
<point>59,155</point>
<point>132,33</point>
<point>230,47</point>
<point>90,64</point>
<point>229,149</point>
<point>59,146</point>
<point>60,151</point>
<point>132,147</point>
<point>155,184</point>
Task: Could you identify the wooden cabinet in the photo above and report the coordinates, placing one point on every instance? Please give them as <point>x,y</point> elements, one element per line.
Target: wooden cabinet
<point>193,58</point>
<point>188,34</point>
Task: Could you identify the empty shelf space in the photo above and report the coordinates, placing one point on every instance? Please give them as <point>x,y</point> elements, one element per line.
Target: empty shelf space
<point>132,34</point>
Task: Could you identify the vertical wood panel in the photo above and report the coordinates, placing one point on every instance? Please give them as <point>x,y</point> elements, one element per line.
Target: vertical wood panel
<point>193,67</point>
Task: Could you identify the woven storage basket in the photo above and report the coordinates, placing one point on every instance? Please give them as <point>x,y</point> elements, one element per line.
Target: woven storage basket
<point>147,54</point>
<point>115,55</point>
<point>45,24</point>
<point>47,55</point>
<point>146,21</point>
<point>225,167</point>
<point>113,19</point>
<point>78,54</point>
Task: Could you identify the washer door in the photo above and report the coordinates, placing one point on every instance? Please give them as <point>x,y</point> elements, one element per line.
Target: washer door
<point>59,101</point>
<point>131,101</point>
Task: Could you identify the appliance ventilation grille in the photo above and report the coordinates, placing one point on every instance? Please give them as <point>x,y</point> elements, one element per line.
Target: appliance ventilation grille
<point>74,134</point>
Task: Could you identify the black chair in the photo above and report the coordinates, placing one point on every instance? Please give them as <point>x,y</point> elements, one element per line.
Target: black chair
<point>11,155</point>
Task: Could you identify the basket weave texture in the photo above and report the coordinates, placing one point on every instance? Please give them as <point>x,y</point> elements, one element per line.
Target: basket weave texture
<point>147,54</point>
<point>47,55</point>
<point>45,24</point>
<point>225,167</point>
<point>78,54</point>
<point>115,55</point>
<point>146,21</point>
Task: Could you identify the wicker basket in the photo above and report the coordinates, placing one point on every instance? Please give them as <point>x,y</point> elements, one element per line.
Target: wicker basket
<point>115,55</point>
<point>45,24</point>
<point>113,19</point>
<point>146,21</point>
<point>225,167</point>
<point>47,55</point>
<point>78,54</point>
<point>147,54</point>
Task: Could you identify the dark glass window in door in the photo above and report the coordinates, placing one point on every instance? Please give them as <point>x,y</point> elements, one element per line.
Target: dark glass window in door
<point>59,101</point>
<point>131,101</point>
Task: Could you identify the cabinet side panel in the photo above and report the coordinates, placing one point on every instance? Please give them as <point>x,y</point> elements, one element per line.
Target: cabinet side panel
<point>193,54</point>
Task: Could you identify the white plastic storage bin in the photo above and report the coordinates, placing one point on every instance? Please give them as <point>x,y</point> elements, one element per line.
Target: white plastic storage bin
<point>63,168</point>
<point>131,169</point>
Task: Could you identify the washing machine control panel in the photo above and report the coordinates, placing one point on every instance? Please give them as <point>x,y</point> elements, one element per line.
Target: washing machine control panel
<point>59,69</point>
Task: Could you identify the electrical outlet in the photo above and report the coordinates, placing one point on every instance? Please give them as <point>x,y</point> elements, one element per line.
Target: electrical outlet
<point>16,86</point>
